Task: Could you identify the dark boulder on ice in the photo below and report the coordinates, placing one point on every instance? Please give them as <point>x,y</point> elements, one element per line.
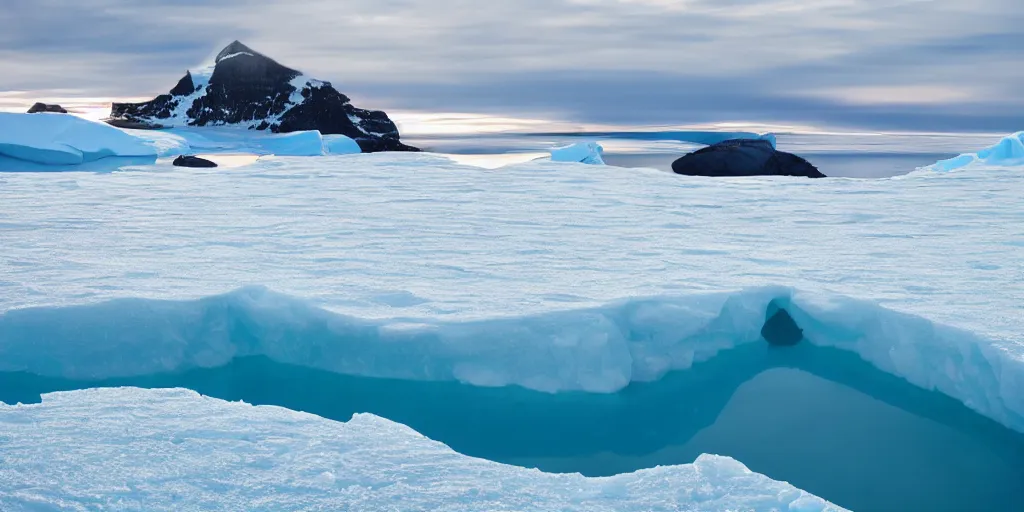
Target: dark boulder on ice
<point>247,88</point>
<point>781,330</point>
<point>192,161</point>
<point>43,107</point>
<point>134,125</point>
<point>744,157</point>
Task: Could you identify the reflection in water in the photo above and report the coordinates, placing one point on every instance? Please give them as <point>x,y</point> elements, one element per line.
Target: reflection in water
<point>820,418</point>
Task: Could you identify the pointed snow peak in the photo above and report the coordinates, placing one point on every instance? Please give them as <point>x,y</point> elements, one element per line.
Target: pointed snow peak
<point>232,49</point>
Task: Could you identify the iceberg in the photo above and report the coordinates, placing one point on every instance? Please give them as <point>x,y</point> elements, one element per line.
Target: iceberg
<point>213,140</point>
<point>581,152</point>
<point>1008,152</point>
<point>64,139</point>
<point>341,145</point>
<point>51,141</point>
<point>172,449</point>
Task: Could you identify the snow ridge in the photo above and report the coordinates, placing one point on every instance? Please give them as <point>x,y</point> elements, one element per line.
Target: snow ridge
<point>598,350</point>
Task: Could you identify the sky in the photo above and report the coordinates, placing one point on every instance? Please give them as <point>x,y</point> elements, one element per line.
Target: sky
<point>899,65</point>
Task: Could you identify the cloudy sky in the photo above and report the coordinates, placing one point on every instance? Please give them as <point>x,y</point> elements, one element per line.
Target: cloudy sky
<point>922,65</point>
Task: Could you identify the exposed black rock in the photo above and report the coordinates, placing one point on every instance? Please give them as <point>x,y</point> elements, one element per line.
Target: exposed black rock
<point>250,89</point>
<point>43,107</point>
<point>192,161</point>
<point>134,125</point>
<point>744,157</point>
<point>781,330</point>
<point>185,86</point>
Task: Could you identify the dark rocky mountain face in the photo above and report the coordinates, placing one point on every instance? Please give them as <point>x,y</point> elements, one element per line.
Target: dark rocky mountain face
<point>744,157</point>
<point>249,89</point>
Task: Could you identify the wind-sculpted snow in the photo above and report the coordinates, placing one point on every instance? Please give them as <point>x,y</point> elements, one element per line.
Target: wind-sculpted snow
<point>411,266</point>
<point>1008,152</point>
<point>132,449</point>
<point>597,350</point>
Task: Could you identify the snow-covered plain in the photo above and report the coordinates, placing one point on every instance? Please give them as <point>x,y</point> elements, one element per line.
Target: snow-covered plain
<point>185,452</point>
<point>546,275</point>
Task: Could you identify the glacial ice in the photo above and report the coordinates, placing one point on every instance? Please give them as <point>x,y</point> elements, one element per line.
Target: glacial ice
<point>65,142</point>
<point>212,140</point>
<point>580,152</point>
<point>408,266</point>
<point>63,139</point>
<point>132,449</point>
<point>1008,152</point>
<point>341,145</point>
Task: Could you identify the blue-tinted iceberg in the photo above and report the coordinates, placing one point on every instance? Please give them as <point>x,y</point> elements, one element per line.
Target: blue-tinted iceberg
<point>132,449</point>
<point>215,140</point>
<point>581,152</point>
<point>64,139</point>
<point>341,145</point>
<point>1008,152</point>
<point>47,142</point>
<point>599,350</point>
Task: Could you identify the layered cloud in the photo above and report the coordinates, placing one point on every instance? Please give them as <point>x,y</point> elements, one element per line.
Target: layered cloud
<point>902,64</point>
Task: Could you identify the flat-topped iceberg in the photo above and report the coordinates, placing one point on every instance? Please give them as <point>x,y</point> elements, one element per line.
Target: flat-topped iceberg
<point>50,141</point>
<point>581,152</point>
<point>1008,152</point>
<point>214,140</point>
<point>65,139</point>
<point>133,449</point>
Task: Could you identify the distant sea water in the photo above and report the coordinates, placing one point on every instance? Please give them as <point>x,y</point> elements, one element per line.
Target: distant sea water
<point>851,155</point>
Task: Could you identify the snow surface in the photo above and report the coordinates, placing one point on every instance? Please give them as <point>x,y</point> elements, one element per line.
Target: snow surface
<point>1007,152</point>
<point>581,152</point>
<point>64,139</point>
<point>133,449</point>
<point>539,274</point>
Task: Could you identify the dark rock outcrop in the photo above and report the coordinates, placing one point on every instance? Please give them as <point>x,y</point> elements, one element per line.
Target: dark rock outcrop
<point>781,330</point>
<point>192,161</point>
<point>249,89</point>
<point>134,125</point>
<point>43,107</point>
<point>744,157</point>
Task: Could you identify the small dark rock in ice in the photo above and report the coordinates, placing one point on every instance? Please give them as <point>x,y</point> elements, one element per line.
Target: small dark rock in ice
<point>133,125</point>
<point>781,330</point>
<point>43,107</point>
<point>192,161</point>
<point>744,157</point>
